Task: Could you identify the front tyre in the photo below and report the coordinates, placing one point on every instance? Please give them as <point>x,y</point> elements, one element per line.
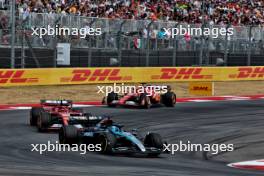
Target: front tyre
<point>107,142</point>
<point>43,121</point>
<point>34,114</point>
<point>110,98</point>
<point>68,135</point>
<point>154,140</point>
<point>169,99</point>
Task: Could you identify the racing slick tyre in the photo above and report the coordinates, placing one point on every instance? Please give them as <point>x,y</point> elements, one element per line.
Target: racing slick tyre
<point>43,121</point>
<point>107,142</point>
<point>144,101</point>
<point>34,114</point>
<point>110,98</point>
<point>154,140</point>
<point>169,99</point>
<point>68,135</point>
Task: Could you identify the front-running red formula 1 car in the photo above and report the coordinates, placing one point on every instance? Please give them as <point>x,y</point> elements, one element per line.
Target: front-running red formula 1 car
<point>142,99</point>
<point>53,114</point>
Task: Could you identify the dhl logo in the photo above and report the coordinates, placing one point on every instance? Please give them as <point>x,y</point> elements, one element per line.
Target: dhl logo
<point>181,73</point>
<point>205,88</point>
<point>249,72</point>
<point>12,76</point>
<point>85,75</point>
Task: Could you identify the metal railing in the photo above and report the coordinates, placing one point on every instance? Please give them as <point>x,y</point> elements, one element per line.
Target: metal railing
<point>118,35</point>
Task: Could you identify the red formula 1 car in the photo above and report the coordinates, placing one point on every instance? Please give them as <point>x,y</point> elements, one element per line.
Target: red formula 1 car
<point>53,114</point>
<point>144,99</point>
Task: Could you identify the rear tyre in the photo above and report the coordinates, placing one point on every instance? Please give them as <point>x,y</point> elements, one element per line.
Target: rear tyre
<point>34,114</point>
<point>68,135</point>
<point>107,142</point>
<point>110,98</point>
<point>154,140</point>
<point>169,99</point>
<point>43,121</point>
<point>144,101</point>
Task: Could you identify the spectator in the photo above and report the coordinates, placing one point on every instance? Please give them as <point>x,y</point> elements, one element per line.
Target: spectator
<point>2,4</point>
<point>4,33</point>
<point>161,33</point>
<point>235,12</point>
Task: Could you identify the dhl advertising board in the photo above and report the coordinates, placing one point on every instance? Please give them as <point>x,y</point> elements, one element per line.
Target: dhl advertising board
<point>60,76</point>
<point>201,88</point>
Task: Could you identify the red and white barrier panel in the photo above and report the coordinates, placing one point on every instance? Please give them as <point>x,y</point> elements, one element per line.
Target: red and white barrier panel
<point>221,98</point>
<point>253,165</point>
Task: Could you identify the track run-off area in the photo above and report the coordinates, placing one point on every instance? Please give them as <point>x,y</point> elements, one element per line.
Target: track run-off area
<point>239,122</point>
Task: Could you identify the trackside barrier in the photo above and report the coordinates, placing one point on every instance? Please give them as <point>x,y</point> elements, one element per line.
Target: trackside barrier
<point>62,76</point>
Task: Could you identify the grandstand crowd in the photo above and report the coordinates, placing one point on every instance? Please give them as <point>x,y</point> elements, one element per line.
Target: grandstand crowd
<point>234,12</point>
<point>238,13</point>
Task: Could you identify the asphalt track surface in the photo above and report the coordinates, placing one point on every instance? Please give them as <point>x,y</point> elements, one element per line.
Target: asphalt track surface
<point>237,122</point>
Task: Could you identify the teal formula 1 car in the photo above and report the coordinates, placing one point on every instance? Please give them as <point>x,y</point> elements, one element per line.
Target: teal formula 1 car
<point>112,138</point>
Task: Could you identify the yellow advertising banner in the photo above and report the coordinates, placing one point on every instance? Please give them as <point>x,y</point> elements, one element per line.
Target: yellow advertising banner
<point>60,76</point>
<point>201,88</point>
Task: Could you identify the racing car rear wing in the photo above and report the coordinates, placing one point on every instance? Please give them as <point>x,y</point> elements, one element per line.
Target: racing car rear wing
<point>56,102</point>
